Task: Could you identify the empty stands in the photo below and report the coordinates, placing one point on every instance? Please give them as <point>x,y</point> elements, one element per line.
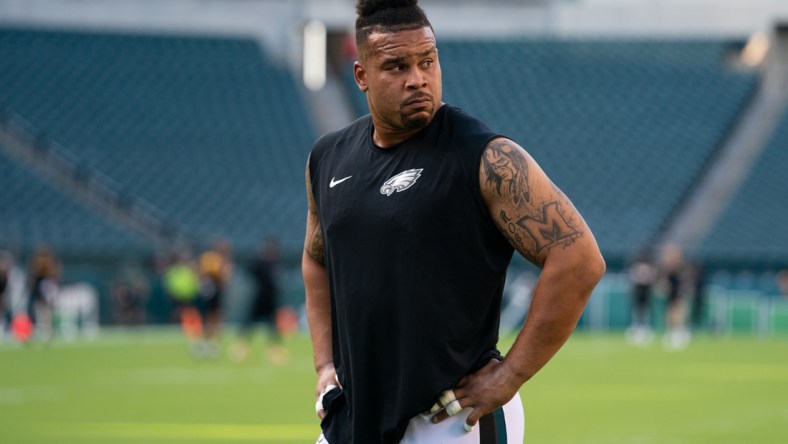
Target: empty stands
<point>209,130</point>
<point>752,230</point>
<point>34,212</point>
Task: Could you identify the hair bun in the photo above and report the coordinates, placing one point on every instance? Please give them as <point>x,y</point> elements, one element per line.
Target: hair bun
<point>365,8</point>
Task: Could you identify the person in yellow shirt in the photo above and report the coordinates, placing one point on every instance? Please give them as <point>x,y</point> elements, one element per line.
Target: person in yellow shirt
<point>215,273</point>
<point>182,285</point>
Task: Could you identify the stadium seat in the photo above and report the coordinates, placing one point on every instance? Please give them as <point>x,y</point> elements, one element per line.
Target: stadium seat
<point>36,212</point>
<point>211,131</point>
<point>751,228</point>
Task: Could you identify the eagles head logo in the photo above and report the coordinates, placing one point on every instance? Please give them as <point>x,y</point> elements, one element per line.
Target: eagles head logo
<point>401,181</point>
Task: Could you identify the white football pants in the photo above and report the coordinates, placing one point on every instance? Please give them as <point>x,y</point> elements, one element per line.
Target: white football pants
<point>504,426</point>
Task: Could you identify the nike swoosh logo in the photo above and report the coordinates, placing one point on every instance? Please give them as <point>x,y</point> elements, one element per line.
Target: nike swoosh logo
<point>337,182</point>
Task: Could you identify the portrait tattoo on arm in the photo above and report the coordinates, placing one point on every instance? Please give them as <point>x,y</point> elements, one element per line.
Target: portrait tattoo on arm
<point>507,169</point>
<point>531,227</point>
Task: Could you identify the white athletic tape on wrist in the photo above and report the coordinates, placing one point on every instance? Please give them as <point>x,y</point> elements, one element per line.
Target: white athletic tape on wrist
<point>453,408</point>
<point>447,397</point>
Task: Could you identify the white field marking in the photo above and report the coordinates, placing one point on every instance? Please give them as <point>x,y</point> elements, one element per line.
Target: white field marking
<point>29,394</point>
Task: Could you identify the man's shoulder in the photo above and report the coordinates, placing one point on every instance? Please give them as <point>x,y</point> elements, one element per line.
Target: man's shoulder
<point>457,114</point>
<point>354,129</point>
<point>465,127</point>
<point>330,143</point>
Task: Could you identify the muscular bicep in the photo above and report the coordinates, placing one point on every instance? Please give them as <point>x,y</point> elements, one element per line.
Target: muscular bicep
<point>313,243</point>
<point>529,210</point>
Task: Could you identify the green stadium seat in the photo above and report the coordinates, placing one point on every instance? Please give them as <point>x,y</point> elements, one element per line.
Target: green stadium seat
<point>208,130</point>
<point>751,228</point>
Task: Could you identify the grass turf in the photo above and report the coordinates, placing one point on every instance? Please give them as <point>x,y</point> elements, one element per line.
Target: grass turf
<point>144,387</point>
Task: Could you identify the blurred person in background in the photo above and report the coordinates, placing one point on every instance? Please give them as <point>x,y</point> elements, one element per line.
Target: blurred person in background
<point>13,314</point>
<point>414,213</point>
<point>6,267</point>
<point>695,276</point>
<point>182,285</point>
<point>781,279</point>
<point>130,290</point>
<point>643,274</point>
<point>263,306</point>
<point>43,279</point>
<point>159,308</point>
<point>677,335</point>
<point>216,267</point>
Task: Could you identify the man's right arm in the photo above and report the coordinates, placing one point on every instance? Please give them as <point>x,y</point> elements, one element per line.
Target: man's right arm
<point>318,306</point>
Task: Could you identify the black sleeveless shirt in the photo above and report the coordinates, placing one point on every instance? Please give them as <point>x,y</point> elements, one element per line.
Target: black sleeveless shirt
<point>416,270</point>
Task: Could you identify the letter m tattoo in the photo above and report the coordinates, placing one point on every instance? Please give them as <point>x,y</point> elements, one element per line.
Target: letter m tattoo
<point>549,230</point>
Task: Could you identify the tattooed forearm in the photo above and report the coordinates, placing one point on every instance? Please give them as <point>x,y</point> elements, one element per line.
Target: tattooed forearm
<point>507,169</point>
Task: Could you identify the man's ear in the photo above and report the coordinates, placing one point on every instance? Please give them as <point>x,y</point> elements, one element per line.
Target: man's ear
<point>360,75</point>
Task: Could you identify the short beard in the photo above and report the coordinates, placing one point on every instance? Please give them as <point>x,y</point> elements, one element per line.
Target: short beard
<point>417,121</point>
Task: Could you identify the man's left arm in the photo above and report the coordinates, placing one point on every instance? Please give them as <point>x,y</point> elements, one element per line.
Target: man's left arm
<point>541,224</point>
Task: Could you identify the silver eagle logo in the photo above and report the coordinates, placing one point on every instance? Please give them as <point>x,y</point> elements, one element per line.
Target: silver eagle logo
<point>401,181</point>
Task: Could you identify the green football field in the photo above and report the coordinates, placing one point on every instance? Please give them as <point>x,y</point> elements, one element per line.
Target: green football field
<point>144,387</point>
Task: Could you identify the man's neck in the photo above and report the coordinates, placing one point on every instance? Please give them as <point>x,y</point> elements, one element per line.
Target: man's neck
<point>384,138</point>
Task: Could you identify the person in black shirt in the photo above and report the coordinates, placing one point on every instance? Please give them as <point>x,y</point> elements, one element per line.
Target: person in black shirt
<point>643,274</point>
<point>263,306</point>
<point>6,269</point>
<point>414,212</point>
<point>44,283</point>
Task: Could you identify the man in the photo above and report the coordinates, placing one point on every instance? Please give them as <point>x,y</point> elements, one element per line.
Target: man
<point>677,335</point>
<point>264,304</point>
<point>642,275</point>
<point>216,270</point>
<point>44,283</point>
<point>7,271</point>
<point>414,213</point>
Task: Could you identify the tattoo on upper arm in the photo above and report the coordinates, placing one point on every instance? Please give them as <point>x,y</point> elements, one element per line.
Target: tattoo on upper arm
<point>314,246</point>
<point>549,228</point>
<point>513,234</point>
<point>531,227</point>
<point>506,168</point>
<point>546,229</point>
